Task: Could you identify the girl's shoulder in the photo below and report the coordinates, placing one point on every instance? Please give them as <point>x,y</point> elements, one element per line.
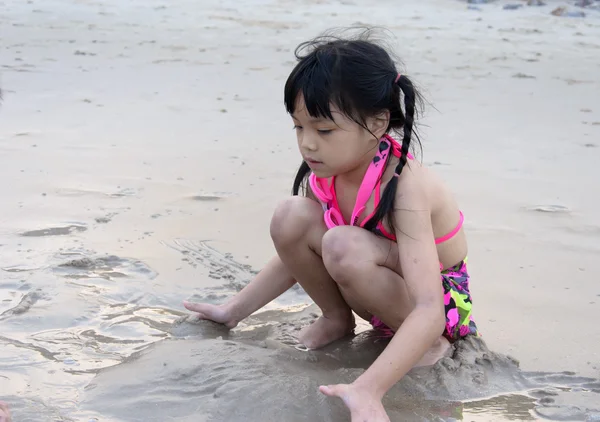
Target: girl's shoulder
<point>418,185</point>
<point>422,189</point>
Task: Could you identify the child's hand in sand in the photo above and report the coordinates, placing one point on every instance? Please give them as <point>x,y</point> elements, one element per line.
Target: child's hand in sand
<point>4,412</point>
<point>364,406</point>
<point>216,313</point>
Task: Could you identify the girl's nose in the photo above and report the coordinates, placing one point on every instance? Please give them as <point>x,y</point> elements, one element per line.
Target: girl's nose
<point>308,143</point>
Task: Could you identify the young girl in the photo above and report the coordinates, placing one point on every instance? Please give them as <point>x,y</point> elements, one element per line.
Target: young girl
<point>373,232</point>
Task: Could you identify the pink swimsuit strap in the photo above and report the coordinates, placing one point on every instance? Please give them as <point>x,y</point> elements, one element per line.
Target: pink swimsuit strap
<point>453,232</point>
<point>325,192</point>
<point>372,177</point>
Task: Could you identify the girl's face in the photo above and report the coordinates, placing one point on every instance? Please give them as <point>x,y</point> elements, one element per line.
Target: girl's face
<point>333,147</point>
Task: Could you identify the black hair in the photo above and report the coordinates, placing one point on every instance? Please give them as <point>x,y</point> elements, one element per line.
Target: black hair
<point>360,78</point>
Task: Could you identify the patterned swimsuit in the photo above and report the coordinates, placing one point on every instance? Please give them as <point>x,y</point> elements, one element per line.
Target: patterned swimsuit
<point>454,280</point>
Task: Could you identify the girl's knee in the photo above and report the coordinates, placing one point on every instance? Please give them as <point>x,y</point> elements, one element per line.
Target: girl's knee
<point>341,253</point>
<point>292,219</point>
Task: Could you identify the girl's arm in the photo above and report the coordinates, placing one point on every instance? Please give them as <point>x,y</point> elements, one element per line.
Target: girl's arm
<point>420,267</point>
<point>270,283</point>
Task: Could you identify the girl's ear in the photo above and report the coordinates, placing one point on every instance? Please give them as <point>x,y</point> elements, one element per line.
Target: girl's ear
<point>379,124</point>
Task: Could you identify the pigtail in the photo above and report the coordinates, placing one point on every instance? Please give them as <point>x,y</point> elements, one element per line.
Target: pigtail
<point>386,204</point>
<point>300,179</point>
<point>408,90</point>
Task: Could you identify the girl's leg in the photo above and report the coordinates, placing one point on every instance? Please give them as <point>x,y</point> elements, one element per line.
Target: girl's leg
<point>297,230</point>
<point>367,271</point>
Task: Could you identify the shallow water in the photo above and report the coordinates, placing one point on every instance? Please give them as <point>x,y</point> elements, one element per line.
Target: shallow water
<point>101,369</point>
<point>143,146</point>
<point>255,373</point>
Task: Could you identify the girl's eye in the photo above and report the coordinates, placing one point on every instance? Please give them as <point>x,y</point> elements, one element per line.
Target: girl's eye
<point>296,127</point>
<point>325,131</point>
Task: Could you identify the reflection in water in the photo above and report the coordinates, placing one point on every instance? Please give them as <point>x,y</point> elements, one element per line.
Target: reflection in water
<point>84,314</point>
<point>509,407</point>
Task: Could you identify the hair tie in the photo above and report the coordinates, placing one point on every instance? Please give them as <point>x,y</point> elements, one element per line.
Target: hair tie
<point>397,78</point>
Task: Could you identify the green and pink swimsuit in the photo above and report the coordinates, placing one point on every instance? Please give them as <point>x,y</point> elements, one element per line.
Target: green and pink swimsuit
<point>455,280</point>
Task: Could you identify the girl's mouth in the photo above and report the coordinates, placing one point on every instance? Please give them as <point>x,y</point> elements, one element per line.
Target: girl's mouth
<point>313,164</point>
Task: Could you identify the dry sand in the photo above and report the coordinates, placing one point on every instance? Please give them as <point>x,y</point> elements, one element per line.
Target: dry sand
<point>143,146</point>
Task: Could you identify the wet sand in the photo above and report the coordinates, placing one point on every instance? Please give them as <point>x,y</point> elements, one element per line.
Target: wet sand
<point>143,146</point>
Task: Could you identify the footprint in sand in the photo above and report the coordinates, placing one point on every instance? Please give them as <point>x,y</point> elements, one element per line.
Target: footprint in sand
<point>576,81</point>
<point>120,193</point>
<point>105,219</point>
<point>523,76</point>
<point>206,198</point>
<point>174,47</point>
<point>83,53</point>
<point>220,266</point>
<point>159,61</point>
<point>26,302</point>
<point>109,267</point>
<point>550,209</point>
<point>55,231</point>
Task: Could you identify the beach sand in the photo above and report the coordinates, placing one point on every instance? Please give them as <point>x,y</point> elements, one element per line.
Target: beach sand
<point>144,145</point>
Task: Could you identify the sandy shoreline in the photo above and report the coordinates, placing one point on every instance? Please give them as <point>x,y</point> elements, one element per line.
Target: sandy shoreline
<point>140,130</point>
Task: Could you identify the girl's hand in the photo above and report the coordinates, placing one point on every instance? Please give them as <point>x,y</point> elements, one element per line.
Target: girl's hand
<point>364,406</point>
<point>217,313</point>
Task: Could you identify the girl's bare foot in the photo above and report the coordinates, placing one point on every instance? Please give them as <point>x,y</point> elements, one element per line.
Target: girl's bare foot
<point>326,330</point>
<point>4,412</point>
<point>217,313</point>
